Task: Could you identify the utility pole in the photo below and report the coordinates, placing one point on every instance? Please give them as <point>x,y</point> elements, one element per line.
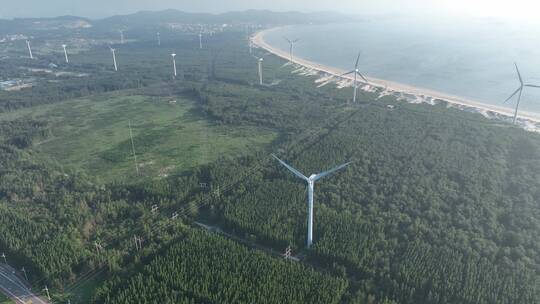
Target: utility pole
<point>288,252</point>
<point>133,148</point>
<point>217,192</point>
<point>47,291</point>
<point>138,242</point>
<point>25,275</point>
<point>4,256</point>
<point>99,250</point>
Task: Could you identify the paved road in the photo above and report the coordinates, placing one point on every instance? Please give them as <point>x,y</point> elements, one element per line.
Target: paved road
<point>14,288</point>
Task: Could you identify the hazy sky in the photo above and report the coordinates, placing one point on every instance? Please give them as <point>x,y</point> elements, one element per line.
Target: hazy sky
<point>102,8</point>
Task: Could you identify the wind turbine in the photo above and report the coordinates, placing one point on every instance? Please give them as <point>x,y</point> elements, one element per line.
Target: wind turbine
<point>311,183</point>
<point>113,51</point>
<point>291,49</point>
<point>356,73</point>
<point>29,49</point>
<point>522,85</point>
<point>65,53</point>
<point>173,55</point>
<point>259,64</point>
<point>158,39</point>
<point>250,44</point>
<point>121,36</point>
<point>200,39</point>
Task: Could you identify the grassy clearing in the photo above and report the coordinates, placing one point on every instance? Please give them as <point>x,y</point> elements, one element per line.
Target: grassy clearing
<point>92,133</point>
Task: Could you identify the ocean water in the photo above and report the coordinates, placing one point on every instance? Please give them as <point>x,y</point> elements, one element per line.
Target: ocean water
<point>471,58</point>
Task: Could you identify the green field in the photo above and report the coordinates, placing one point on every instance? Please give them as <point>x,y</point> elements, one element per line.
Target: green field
<point>93,134</point>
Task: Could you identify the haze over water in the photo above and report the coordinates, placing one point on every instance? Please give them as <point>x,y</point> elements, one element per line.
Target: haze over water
<point>472,59</point>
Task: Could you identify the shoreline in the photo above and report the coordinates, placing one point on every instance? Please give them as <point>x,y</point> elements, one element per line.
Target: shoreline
<point>402,91</point>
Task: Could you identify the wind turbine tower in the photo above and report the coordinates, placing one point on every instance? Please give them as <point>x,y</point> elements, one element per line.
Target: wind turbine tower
<point>158,39</point>
<point>65,52</point>
<point>113,51</point>
<point>311,185</point>
<point>356,73</point>
<point>121,36</point>
<point>200,39</point>
<point>173,55</point>
<point>522,85</point>
<point>291,47</point>
<point>29,49</point>
<point>260,62</point>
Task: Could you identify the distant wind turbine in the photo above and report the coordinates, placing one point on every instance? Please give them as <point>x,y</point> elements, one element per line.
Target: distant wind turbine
<point>522,85</point>
<point>65,52</point>
<point>356,73</point>
<point>113,51</point>
<point>260,62</point>
<point>173,55</point>
<point>250,44</point>
<point>311,183</point>
<point>29,49</point>
<point>158,39</point>
<point>200,39</point>
<point>291,47</point>
<point>121,36</point>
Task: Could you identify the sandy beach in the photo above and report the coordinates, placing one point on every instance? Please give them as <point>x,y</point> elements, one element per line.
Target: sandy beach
<point>397,89</point>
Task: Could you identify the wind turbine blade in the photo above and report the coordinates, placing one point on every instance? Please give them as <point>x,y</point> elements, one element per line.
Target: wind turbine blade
<point>348,73</point>
<point>363,77</point>
<point>519,74</point>
<point>514,94</point>
<point>294,41</point>
<point>357,60</point>
<point>293,170</point>
<point>532,86</point>
<point>289,41</point>
<point>321,175</point>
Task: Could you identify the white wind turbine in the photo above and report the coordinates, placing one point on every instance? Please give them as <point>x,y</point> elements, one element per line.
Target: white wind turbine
<point>173,55</point>
<point>200,39</point>
<point>260,62</point>
<point>291,47</point>
<point>65,52</point>
<point>522,85</point>
<point>113,51</point>
<point>158,39</point>
<point>29,49</point>
<point>259,65</point>
<point>121,36</point>
<point>356,73</point>
<point>311,183</point>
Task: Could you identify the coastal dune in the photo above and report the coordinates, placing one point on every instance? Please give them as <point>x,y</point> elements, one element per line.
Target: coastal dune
<point>526,119</point>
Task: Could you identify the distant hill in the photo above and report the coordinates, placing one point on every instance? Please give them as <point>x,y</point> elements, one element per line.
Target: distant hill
<point>22,25</point>
<point>153,19</point>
